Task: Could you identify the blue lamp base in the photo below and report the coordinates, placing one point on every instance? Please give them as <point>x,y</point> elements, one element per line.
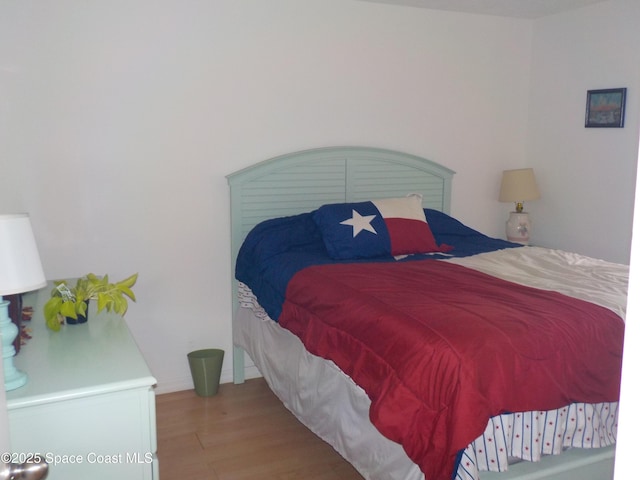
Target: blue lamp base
<point>16,381</point>
<point>13,378</point>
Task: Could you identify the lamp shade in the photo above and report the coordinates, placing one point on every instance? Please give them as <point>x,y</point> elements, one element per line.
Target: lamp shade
<point>20,267</point>
<point>518,186</point>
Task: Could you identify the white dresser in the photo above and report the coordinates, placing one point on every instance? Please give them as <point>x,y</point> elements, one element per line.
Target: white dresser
<point>89,406</point>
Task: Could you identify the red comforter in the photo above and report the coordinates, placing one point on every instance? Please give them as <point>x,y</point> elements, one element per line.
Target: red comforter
<point>440,348</point>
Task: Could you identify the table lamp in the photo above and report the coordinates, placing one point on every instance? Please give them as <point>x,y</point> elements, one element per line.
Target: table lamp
<point>20,272</point>
<point>519,186</point>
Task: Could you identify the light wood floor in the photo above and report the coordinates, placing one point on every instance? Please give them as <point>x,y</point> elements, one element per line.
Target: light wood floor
<point>243,432</point>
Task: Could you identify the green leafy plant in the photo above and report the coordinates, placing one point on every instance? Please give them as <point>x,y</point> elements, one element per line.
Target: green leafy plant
<point>67,301</point>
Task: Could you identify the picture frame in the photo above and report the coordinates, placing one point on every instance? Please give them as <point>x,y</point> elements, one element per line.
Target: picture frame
<point>605,108</point>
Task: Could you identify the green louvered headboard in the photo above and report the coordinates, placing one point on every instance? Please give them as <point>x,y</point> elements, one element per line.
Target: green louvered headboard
<point>303,181</point>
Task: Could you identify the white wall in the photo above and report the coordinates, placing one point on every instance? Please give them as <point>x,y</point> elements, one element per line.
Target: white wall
<point>119,121</point>
<point>586,175</point>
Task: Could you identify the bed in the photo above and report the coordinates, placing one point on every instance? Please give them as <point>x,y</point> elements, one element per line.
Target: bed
<point>291,189</point>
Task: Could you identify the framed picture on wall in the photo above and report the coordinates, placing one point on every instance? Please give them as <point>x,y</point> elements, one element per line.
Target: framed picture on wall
<point>605,108</point>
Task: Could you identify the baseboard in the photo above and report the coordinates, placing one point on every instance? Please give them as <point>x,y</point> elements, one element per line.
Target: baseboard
<point>251,371</point>
<point>174,386</point>
<point>186,383</point>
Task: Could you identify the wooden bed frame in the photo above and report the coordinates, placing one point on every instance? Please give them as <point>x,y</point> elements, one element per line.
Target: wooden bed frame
<point>302,181</point>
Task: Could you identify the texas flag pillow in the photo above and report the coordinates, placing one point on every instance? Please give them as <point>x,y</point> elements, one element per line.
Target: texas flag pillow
<point>392,226</point>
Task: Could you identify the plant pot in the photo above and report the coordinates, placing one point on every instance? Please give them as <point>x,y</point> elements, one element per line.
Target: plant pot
<point>80,319</point>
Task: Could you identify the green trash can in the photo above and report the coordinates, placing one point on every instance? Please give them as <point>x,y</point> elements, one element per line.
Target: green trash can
<point>206,366</point>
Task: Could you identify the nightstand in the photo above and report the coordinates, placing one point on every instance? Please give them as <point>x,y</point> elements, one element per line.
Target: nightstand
<point>89,405</point>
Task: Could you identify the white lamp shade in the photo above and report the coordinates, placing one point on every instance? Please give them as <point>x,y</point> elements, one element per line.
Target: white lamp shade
<point>20,267</point>
<point>518,186</point>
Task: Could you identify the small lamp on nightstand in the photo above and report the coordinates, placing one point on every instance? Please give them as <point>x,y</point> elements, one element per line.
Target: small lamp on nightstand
<point>20,271</point>
<point>519,186</point>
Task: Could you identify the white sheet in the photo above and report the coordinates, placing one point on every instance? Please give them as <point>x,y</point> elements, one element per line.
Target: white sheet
<point>590,279</point>
<point>336,409</point>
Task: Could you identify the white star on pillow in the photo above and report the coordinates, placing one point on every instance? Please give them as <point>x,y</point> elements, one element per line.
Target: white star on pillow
<point>359,223</point>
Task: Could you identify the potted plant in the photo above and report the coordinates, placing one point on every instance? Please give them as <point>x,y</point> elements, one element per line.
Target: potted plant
<point>72,302</point>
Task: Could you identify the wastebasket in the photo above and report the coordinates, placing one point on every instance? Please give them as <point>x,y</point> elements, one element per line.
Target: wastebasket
<point>206,366</point>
